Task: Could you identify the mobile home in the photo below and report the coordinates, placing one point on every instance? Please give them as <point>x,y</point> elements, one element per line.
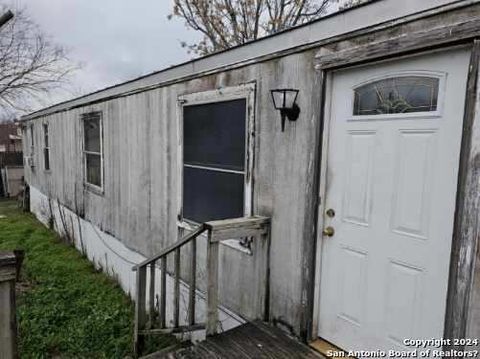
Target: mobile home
<point>358,222</point>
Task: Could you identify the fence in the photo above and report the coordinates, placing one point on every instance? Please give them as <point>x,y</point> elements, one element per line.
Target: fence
<point>11,159</point>
<point>10,263</point>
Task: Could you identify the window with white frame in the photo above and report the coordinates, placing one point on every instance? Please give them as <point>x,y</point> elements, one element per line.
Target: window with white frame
<point>92,148</point>
<point>215,163</point>
<point>46,148</point>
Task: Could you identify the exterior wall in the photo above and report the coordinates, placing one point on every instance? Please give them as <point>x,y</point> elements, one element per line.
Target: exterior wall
<point>139,206</point>
<point>114,258</point>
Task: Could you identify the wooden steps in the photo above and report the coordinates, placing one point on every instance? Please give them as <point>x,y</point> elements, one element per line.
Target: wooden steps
<point>149,321</point>
<point>327,348</point>
<point>251,340</point>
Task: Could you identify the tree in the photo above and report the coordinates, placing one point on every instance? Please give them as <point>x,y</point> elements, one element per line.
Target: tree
<point>226,23</point>
<point>350,3</point>
<point>31,66</point>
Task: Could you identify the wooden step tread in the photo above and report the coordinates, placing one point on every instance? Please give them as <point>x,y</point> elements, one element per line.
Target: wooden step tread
<point>251,340</point>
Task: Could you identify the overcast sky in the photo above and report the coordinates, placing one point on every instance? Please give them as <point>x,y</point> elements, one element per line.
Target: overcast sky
<point>112,40</point>
<point>115,40</point>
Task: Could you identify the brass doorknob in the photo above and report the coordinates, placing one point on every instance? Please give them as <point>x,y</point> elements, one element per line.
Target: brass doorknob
<point>329,231</point>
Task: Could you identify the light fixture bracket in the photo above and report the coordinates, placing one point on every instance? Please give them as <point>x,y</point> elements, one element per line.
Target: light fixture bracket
<point>284,100</point>
<point>290,113</point>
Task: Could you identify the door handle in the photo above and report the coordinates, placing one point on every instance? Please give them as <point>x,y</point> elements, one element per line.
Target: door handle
<point>328,231</point>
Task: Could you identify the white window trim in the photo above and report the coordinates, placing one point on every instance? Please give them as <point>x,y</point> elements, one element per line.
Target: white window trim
<point>45,147</point>
<point>92,187</point>
<point>247,92</point>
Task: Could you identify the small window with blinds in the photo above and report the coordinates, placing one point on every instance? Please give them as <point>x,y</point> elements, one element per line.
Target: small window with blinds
<point>214,169</point>
<point>93,149</point>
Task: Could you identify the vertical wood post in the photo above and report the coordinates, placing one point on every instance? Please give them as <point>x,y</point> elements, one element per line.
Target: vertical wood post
<point>8,321</point>
<point>193,283</point>
<point>163,292</point>
<point>176,290</point>
<point>212,284</point>
<point>265,243</point>
<point>466,230</point>
<point>140,310</point>
<point>151,296</point>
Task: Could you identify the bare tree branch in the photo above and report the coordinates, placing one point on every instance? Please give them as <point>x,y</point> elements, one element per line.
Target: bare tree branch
<point>30,65</point>
<point>227,23</point>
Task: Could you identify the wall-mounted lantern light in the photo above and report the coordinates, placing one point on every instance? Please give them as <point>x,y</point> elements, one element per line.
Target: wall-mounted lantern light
<point>284,101</point>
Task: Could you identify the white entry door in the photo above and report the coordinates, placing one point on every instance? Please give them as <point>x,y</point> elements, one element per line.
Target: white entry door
<point>392,162</point>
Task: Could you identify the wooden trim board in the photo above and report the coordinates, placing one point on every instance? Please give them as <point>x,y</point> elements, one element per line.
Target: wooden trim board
<point>326,348</point>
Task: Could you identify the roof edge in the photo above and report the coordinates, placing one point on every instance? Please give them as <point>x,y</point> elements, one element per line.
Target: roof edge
<point>239,54</point>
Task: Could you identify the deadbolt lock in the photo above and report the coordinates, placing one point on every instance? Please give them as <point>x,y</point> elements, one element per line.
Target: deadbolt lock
<point>328,231</point>
<point>330,212</point>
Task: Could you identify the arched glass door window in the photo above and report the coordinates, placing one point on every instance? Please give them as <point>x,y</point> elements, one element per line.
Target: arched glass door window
<point>405,94</point>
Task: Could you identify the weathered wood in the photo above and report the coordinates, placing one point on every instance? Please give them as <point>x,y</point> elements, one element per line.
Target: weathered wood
<point>140,310</point>
<point>257,227</point>
<point>212,284</point>
<point>251,340</point>
<point>176,289</point>
<point>163,292</point>
<point>312,204</point>
<point>452,28</point>
<point>179,329</point>
<point>466,231</point>
<point>238,233</point>
<point>163,353</point>
<point>238,227</point>
<point>193,282</point>
<point>8,321</point>
<point>151,297</point>
<point>266,279</point>
<point>184,240</point>
<point>237,223</point>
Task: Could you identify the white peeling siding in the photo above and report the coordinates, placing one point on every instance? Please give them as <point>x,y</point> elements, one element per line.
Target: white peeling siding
<point>114,258</point>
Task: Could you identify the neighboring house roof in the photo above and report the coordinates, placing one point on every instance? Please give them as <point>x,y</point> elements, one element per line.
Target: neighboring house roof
<point>289,41</point>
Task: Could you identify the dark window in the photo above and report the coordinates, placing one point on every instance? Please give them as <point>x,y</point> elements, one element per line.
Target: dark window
<point>46,147</point>
<point>94,169</point>
<point>215,135</point>
<point>397,95</point>
<point>92,129</point>
<point>214,160</point>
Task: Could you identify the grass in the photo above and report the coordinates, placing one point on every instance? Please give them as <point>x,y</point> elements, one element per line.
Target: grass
<point>65,307</point>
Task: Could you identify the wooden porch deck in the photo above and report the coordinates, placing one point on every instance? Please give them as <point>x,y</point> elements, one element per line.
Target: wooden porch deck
<point>252,340</point>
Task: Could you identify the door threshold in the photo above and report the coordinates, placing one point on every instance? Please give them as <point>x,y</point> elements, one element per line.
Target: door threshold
<point>327,349</point>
